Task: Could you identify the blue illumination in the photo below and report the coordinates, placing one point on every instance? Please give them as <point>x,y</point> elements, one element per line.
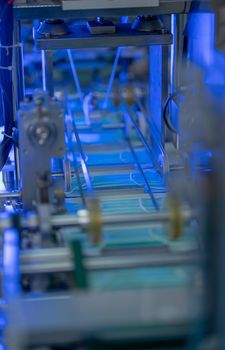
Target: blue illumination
<point>202,51</point>
<point>201,32</point>
<point>2,347</point>
<point>11,263</point>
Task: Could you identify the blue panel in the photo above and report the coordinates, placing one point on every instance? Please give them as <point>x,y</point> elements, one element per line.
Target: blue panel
<point>155,71</point>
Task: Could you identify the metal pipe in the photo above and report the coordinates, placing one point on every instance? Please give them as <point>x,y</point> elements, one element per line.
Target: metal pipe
<point>68,220</point>
<point>60,259</point>
<point>6,195</point>
<point>152,218</point>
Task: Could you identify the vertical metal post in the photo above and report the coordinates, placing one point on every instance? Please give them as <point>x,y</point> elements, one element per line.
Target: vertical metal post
<point>18,74</point>
<point>47,71</point>
<point>18,87</point>
<point>158,85</point>
<point>176,52</point>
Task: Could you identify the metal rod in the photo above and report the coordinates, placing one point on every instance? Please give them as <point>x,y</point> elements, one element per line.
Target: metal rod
<point>141,136</point>
<point>119,220</point>
<point>60,259</point>
<point>83,160</point>
<point>67,220</point>
<point>151,195</point>
<point>18,87</point>
<point>108,127</point>
<point>47,71</point>
<point>75,75</point>
<point>7,195</point>
<point>112,76</point>
<point>74,163</point>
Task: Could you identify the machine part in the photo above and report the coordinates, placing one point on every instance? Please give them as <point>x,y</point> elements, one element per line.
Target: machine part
<point>8,177</point>
<point>59,199</point>
<point>41,137</point>
<point>101,26</point>
<point>158,86</point>
<point>80,274</point>
<point>83,161</point>
<point>44,215</point>
<point>81,38</point>
<point>106,4</point>
<point>53,28</point>
<point>219,8</point>
<point>128,95</point>
<point>67,174</point>
<point>70,9</point>
<point>177,220</point>
<point>148,24</point>
<point>90,107</point>
<point>75,316</point>
<point>95,221</point>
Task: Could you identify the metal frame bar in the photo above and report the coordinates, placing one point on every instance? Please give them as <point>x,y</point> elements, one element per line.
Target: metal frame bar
<point>47,71</point>
<point>81,38</point>
<point>60,259</point>
<point>84,166</point>
<point>53,9</point>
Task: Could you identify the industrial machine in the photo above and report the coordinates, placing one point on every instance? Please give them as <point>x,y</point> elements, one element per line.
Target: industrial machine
<point>112,174</point>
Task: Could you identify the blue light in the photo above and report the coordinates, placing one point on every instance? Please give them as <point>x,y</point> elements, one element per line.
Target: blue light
<point>203,53</point>
<point>201,33</point>
<point>10,263</point>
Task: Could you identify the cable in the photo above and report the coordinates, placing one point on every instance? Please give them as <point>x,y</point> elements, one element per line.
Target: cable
<point>165,112</point>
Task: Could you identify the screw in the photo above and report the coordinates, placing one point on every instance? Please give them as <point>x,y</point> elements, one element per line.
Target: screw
<point>42,134</point>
